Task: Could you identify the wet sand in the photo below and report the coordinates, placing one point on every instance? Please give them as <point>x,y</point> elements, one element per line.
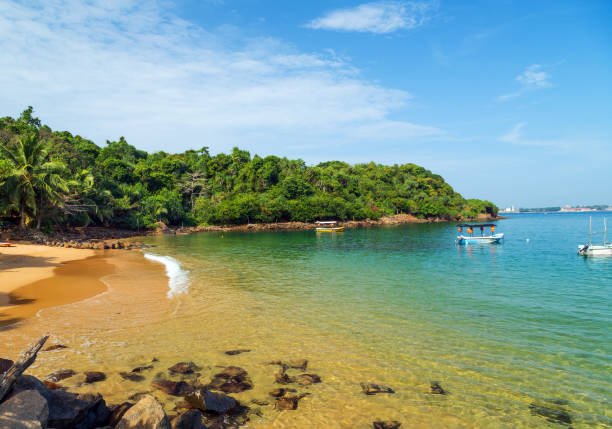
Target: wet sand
<point>71,281</point>
<point>24,264</point>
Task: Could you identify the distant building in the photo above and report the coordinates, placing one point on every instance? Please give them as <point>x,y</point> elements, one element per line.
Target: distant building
<point>510,209</point>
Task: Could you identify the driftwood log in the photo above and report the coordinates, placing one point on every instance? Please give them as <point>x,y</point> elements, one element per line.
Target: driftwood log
<point>26,359</point>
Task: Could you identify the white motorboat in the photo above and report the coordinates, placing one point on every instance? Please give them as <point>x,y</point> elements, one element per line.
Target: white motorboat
<point>470,238</point>
<point>591,249</point>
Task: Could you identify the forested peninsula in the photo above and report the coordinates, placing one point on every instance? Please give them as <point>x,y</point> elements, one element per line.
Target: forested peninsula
<point>51,180</point>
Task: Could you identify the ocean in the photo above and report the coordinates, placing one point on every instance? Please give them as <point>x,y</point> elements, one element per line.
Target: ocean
<point>518,334</point>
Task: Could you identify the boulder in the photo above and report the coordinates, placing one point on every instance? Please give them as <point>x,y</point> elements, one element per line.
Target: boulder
<point>175,388</point>
<point>69,410</point>
<point>386,424</point>
<point>373,389</point>
<point>117,412</point>
<point>191,419</point>
<point>60,375</point>
<point>94,376</point>
<point>184,368</point>
<point>146,414</point>
<point>26,410</point>
<point>28,382</point>
<point>5,364</point>
<point>207,401</point>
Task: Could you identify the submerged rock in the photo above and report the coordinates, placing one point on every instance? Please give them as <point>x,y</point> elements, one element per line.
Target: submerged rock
<point>232,379</point>
<point>94,376</point>
<point>142,368</point>
<point>553,413</point>
<point>175,388</point>
<point>437,389</point>
<point>147,413</point>
<point>54,347</point>
<point>131,376</point>
<point>191,419</point>
<point>373,389</point>
<point>281,391</point>
<point>288,402</point>
<point>307,379</point>
<point>26,410</point>
<point>236,352</point>
<point>281,377</point>
<point>300,364</point>
<point>207,401</point>
<point>386,424</point>
<point>184,368</point>
<point>60,375</point>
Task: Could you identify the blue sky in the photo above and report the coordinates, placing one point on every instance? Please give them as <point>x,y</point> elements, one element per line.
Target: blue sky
<point>508,100</point>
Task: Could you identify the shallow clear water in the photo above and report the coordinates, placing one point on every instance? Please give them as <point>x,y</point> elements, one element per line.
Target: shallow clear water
<point>501,326</point>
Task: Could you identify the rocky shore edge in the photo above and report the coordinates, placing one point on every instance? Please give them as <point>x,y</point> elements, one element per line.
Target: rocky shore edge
<point>101,238</point>
<point>26,402</point>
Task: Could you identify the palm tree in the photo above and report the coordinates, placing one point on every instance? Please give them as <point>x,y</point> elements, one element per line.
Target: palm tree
<point>34,182</point>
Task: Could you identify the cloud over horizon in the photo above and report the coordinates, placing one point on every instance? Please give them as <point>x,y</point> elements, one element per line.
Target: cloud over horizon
<point>105,69</point>
<point>377,17</point>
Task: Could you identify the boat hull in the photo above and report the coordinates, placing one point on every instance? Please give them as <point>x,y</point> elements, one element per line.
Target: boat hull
<point>487,239</point>
<point>330,229</point>
<point>592,250</point>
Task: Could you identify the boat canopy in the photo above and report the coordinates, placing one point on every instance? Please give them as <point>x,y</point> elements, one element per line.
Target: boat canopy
<point>326,222</point>
<point>475,225</point>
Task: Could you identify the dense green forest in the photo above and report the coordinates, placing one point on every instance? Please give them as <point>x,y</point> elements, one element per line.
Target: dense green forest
<point>51,179</point>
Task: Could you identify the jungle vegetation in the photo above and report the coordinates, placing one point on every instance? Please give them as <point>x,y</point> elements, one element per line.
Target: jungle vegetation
<point>51,179</point>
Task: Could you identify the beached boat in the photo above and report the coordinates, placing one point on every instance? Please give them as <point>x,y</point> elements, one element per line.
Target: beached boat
<point>591,249</point>
<point>328,226</point>
<point>470,238</point>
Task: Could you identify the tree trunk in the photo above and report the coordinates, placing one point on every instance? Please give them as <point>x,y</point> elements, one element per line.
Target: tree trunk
<point>21,215</point>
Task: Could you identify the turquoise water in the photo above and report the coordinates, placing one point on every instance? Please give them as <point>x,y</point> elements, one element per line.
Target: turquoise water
<point>502,326</point>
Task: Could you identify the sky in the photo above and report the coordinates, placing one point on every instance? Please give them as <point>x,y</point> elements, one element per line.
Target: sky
<point>510,101</point>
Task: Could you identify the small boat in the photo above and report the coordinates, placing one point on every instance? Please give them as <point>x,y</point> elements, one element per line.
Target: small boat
<point>470,238</point>
<point>6,244</point>
<point>328,226</point>
<point>591,249</point>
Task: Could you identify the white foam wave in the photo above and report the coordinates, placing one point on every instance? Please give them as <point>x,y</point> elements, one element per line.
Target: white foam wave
<point>178,278</point>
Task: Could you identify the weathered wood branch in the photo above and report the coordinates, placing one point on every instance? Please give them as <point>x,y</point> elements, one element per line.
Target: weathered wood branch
<point>26,359</point>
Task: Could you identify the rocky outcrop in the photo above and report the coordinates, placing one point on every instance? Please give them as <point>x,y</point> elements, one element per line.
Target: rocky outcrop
<point>69,410</point>
<point>147,413</point>
<point>26,410</point>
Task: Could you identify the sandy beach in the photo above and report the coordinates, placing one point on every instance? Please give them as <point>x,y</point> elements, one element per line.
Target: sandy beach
<point>33,277</point>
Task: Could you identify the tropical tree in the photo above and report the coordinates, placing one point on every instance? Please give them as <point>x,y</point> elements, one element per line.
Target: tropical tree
<point>33,181</point>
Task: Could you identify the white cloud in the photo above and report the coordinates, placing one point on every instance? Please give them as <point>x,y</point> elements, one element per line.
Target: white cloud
<point>104,69</point>
<point>516,136</point>
<point>379,17</point>
<point>532,78</point>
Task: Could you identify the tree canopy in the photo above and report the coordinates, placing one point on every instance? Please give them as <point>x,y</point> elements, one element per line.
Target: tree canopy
<point>53,178</point>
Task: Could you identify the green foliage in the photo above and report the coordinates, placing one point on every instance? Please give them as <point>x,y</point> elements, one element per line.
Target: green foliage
<point>56,178</point>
